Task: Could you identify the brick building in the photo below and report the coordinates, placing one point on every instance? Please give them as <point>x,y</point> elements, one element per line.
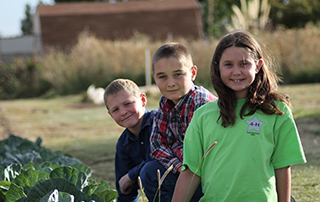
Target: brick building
<point>60,24</point>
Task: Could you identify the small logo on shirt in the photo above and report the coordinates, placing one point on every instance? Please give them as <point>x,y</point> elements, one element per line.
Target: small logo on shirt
<point>254,125</point>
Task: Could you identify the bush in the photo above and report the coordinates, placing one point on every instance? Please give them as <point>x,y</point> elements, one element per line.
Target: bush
<point>21,79</point>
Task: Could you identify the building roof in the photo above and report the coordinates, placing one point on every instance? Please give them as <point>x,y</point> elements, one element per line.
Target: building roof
<point>90,8</point>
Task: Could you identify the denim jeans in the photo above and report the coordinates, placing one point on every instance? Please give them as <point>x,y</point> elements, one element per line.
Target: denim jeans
<point>148,175</point>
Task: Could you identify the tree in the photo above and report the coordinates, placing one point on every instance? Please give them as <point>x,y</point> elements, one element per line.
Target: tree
<point>27,23</point>
<point>294,13</point>
<point>216,14</point>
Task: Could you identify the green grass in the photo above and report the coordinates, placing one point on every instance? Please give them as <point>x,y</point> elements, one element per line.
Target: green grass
<point>87,132</point>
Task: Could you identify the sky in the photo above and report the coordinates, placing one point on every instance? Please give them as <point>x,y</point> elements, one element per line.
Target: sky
<point>11,14</point>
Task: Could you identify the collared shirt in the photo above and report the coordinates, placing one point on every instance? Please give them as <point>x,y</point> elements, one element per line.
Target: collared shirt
<point>132,153</point>
<point>170,124</point>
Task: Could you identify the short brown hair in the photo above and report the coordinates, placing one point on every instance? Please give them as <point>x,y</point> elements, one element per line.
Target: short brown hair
<point>172,49</point>
<point>121,84</point>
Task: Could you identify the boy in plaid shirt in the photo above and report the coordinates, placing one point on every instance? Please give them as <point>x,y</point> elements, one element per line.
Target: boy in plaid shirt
<point>174,72</point>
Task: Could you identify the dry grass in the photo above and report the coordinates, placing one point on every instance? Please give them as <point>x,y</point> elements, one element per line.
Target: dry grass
<point>93,60</point>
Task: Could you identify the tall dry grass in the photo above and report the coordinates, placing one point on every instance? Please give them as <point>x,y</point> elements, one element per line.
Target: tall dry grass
<point>96,61</point>
<point>297,51</point>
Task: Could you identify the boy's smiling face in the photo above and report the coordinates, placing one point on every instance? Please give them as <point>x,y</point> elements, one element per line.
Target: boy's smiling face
<point>126,109</point>
<point>174,77</point>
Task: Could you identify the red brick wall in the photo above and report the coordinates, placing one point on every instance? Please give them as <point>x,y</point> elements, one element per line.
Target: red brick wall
<point>63,31</point>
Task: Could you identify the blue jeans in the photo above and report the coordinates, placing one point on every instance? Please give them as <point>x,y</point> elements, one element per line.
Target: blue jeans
<point>148,175</point>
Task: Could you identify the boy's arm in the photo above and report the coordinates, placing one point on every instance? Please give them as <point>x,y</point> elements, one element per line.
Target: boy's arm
<point>122,169</point>
<point>186,185</point>
<point>283,183</point>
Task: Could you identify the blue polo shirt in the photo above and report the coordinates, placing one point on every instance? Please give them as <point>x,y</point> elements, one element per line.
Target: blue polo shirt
<point>132,153</point>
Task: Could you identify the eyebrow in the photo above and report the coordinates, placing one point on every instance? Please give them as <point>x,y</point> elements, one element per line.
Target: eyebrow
<point>159,73</point>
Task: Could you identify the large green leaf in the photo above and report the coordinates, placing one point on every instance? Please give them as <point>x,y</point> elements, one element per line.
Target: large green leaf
<point>101,189</point>
<point>82,180</point>
<point>42,189</point>
<point>29,178</point>
<point>82,168</point>
<point>4,187</point>
<point>108,195</point>
<point>50,156</point>
<point>57,196</point>
<point>14,193</point>
<point>49,165</point>
<point>68,173</point>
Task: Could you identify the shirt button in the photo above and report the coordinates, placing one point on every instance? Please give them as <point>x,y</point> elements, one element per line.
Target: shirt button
<point>141,142</point>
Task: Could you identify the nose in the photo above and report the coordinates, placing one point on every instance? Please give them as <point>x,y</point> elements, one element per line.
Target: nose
<point>236,70</point>
<point>123,111</point>
<point>171,82</point>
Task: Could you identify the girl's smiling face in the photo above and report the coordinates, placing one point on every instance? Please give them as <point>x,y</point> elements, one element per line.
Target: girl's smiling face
<point>238,70</point>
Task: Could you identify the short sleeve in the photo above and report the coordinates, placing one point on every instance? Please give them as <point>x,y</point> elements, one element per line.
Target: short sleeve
<point>288,148</point>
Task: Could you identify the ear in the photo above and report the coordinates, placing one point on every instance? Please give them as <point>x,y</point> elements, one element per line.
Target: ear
<point>143,98</point>
<point>194,71</point>
<point>259,65</point>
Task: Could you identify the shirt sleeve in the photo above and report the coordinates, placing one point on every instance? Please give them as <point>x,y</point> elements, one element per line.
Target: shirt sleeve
<point>288,150</point>
<point>122,162</point>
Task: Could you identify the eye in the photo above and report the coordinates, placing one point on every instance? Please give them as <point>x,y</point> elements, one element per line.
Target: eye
<point>128,104</point>
<point>114,110</point>
<point>161,76</point>
<point>244,64</point>
<point>228,65</point>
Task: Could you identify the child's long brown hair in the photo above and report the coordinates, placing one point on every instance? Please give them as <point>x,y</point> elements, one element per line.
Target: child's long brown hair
<point>262,92</point>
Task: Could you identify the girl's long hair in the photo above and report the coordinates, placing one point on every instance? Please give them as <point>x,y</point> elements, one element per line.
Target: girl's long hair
<point>262,92</point>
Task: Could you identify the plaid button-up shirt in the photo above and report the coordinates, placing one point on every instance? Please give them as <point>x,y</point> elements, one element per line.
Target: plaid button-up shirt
<point>170,124</point>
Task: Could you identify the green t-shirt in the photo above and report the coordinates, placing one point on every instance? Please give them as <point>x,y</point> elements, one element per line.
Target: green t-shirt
<point>241,166</point>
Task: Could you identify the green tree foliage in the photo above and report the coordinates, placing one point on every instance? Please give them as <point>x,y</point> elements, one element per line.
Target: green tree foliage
<point>27,23</point>
<point>294,13</point>
<point>221,15</point>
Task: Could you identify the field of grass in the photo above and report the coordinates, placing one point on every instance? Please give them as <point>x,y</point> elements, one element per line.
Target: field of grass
<point>87,132</point>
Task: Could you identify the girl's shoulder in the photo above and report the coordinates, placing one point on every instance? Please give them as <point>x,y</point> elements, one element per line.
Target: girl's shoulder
<point>282,106</point>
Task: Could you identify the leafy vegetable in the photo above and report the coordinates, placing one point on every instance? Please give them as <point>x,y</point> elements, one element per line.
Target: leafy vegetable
<point>31,173</point>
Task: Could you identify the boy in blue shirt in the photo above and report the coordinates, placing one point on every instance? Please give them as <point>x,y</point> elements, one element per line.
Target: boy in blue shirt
<point>126,105</point>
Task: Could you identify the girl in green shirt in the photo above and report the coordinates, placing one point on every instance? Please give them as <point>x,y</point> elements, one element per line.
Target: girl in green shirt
<point>252,126</point>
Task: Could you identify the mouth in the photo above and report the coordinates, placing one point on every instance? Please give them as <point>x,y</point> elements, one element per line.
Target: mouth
<point>125,119</point>
<point>237,80</point>
<point>172,91</point>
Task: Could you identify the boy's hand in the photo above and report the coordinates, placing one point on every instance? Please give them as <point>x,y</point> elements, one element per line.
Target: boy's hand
<point>126,184</point>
